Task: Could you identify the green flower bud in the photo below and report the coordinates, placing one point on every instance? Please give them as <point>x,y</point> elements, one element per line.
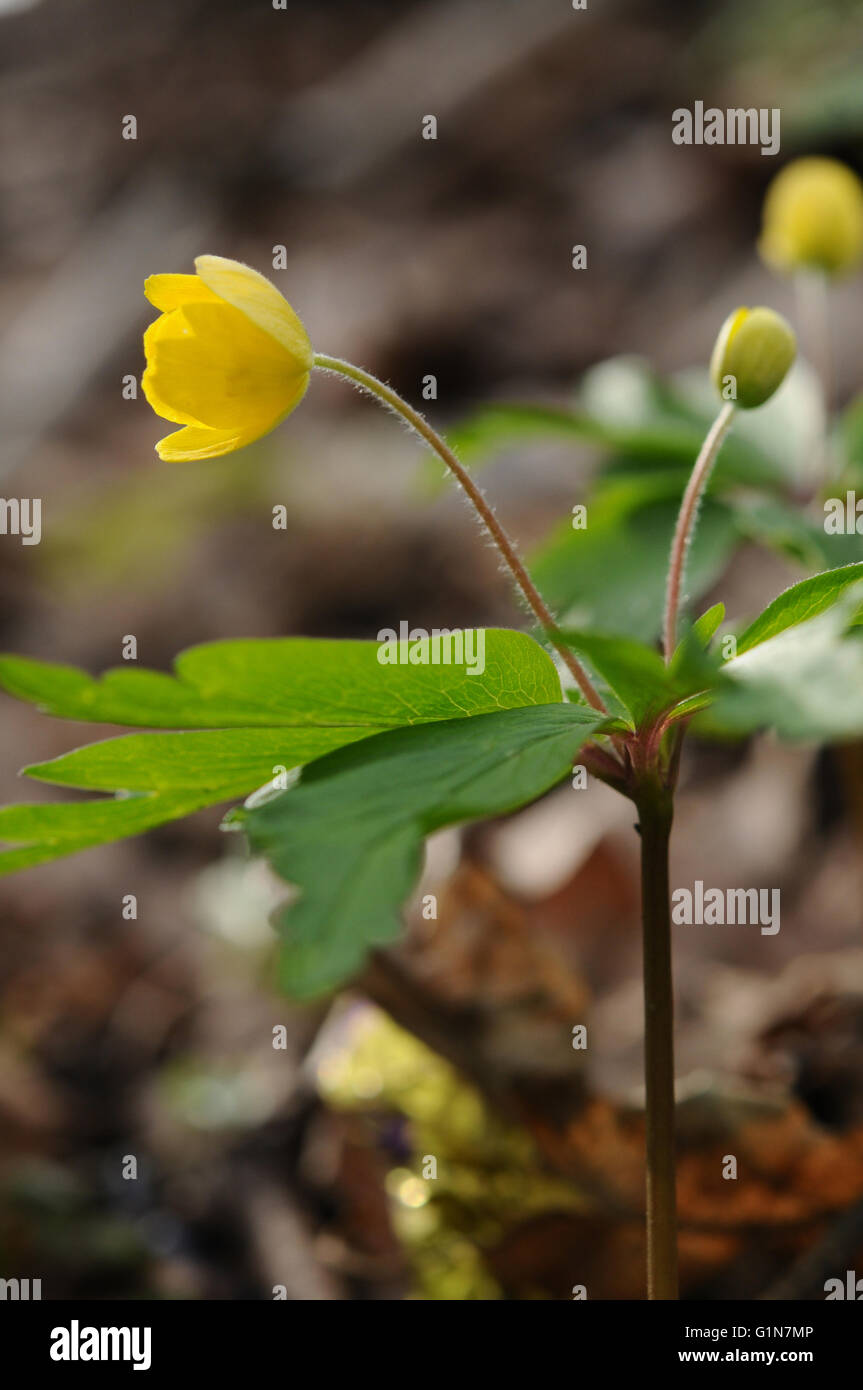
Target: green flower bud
<point>753,352</point>
<point>813,218</point>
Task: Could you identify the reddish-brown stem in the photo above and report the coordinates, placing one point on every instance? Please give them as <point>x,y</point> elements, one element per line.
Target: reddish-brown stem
<point>654,802</point>
<point>686,521</point>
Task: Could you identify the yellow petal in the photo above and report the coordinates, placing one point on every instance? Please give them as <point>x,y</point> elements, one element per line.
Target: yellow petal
<point>208,364</point>
<point>169,292</point>
<point>157,383</point>
<point>260,301</point>
<point>197,442</point>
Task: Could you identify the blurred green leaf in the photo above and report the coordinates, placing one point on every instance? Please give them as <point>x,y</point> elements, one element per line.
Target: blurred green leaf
<point>629,414</point>
<point>782,527</point>
<point>803,678</point>
<point>708,624</point>
<point>693,668</point>
<point>611,576</point>
<point>669,440</point>
<point>44,832</point>
<point>799,535</point>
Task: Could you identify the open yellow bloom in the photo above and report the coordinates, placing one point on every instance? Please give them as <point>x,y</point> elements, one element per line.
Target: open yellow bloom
<point>228,358</point>
<point>813,217</point>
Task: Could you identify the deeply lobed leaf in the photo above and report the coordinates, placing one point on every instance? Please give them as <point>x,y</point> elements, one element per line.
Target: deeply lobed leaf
<point>248,708</point>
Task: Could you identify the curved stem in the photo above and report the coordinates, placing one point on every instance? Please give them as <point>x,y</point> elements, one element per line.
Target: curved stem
<point>687,518</point>
<point>420,426</point>
<point>654,817</point>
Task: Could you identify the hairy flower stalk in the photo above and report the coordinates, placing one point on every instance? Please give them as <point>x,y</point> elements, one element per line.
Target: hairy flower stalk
<point>686,520</point>
<point>228,359</point>
<point>751,358</point>
<point>416,422</point>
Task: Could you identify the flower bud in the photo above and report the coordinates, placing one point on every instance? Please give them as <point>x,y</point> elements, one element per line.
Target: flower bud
<point>753,352</point>
<point>813,218</point>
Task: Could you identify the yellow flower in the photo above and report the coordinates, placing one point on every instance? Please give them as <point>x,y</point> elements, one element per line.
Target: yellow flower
<point>753,352</point>
<point>228,358</point>
<point>813,217</point>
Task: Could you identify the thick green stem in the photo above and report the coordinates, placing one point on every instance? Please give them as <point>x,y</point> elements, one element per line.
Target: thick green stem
<point>655,815</point>
<point>390,398</point>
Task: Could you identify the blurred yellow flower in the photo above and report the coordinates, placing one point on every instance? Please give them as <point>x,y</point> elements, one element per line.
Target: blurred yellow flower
<point>813,217</point>
<point>753,351</point>
<point>228,358</point>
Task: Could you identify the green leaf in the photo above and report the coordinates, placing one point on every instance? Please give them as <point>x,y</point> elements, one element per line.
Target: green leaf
<point>292,682</point>
<point>299,699</point>
<point>693,668</point>
<point>636,674</point>
<point>706,627</point>
<point>217,760</point>
<point>805,681</point>
<point>611,576</point>
<point>349,835</point>
<point>799,603</point>
<point>42,832</point>
<point>156,778</point>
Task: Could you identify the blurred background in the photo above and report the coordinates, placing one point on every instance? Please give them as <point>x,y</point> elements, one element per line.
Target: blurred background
<point>302,1168</point>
